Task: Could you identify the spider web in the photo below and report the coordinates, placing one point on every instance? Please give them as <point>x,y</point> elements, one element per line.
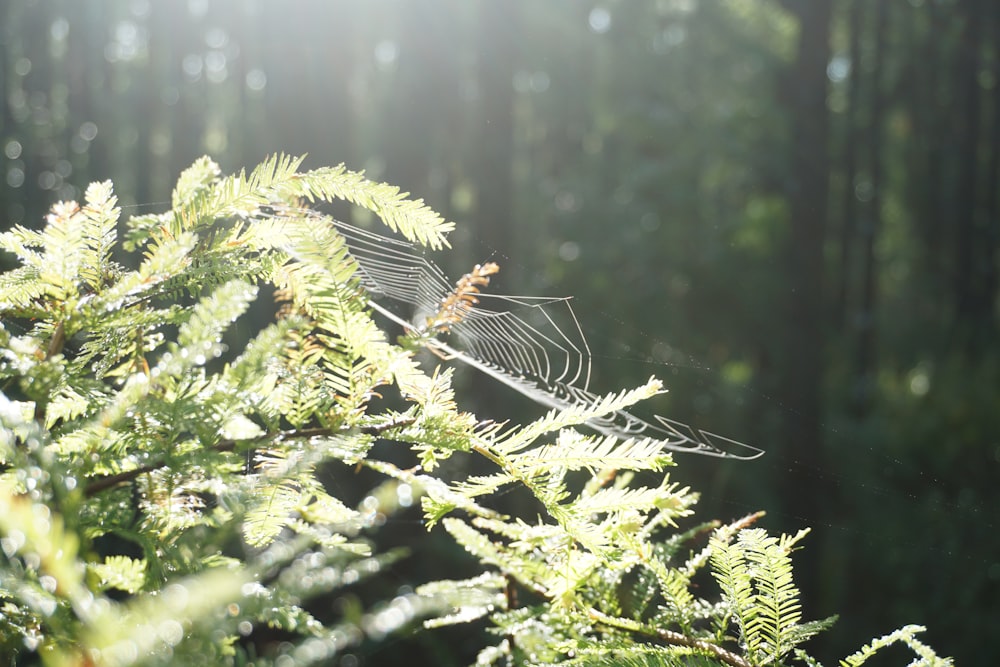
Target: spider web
<point>533,345</point>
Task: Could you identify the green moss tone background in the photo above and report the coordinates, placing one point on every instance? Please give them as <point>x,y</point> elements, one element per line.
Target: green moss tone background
<point>787,211</point>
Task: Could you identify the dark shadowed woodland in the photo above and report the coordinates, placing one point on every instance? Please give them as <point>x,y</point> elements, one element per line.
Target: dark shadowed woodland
<point>786,210</point>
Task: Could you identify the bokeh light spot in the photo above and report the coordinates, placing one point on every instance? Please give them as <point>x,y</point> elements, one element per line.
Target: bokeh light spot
<point>88,131</point>
<point>59,29</point>
<point>599,20</point>
<point>192,66</point>
<point>386,54</point>
<point>838,69</point>
<point>15,177</point>
<point>197,8</point>
<point>216,38</point>
<point>13,149</point>
<point>539,82</point>
<point>569,251</point>
<point>256,79</point>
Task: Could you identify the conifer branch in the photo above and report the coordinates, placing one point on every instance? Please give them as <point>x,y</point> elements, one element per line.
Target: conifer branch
<point>149,384</point>
<point>669,637</point>
<point>99,484</point>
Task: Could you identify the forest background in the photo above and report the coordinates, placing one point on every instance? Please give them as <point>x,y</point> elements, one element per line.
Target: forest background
<point>788,211</point>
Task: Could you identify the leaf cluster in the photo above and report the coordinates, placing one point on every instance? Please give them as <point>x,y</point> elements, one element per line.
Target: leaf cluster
<point>164,474</point>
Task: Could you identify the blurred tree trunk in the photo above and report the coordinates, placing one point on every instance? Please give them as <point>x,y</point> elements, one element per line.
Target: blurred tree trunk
<point>495,126</point>
<point>804,93</point>
<point>851,138</point>
<point>34,113</point>
<point>7,196</point>
<point>325,35</point>
<point>425,77</point>
<point>492,161</point>
<point>146,97</point>
<point>992,205</point>
<point>89,158</point>
<point>932,114</point>
<point>968,252</point>
<point>924,87</point>
<point>188,112</point>
<point>865,362</point>
<point>252,134</point>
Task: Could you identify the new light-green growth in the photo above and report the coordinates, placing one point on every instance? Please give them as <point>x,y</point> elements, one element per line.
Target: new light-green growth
<point>165,495</point>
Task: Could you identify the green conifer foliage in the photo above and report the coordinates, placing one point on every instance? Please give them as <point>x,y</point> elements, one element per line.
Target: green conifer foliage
<point>160,495</point>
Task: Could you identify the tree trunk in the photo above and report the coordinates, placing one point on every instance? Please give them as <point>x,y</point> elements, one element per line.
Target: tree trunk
<point>808,193</point>
<point>852,127</point>
<point>933,113</point>
<point>494,181</point>
<point>992,211</point>
<point>864,368</point>
<point>967,270</point>
<point>493,162</point>
<point>9,201</point>
<point>418,140</point>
